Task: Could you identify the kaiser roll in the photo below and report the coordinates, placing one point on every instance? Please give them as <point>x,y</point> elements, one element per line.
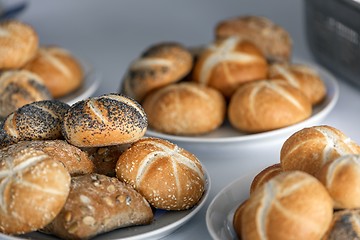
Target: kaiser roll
<point>264,176</point>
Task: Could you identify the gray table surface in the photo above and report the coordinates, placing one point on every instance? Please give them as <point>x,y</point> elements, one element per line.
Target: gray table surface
<point>110,34</point>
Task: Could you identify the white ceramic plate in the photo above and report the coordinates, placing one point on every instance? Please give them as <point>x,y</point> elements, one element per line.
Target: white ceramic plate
<point>220,212</point>
<point>227,134</point>
<point>165,222</point>
<point>89,86</point>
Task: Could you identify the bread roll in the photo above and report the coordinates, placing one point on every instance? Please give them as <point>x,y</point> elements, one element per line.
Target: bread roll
<point>301,76</point>
<point>344,225</point>
<point>292,205</point>
<point>18,88</point>
<point>105,158</point>
<point>168,176</point>
<point>183,109</point>
<point>99,204</point>
<point>33,189</point>
<point>227,63</point>
<point>273,40</point>
<point>75,160</point>
<point>160,65</point>
<point>267,105</point>
<point>264,176</point>
<point>341,177</point>
<point>18,44</point>
<point>237,219</point>
<point>40,120</point>
<point>310,148</point>
<point>61,71</point>
<point>110,119</point>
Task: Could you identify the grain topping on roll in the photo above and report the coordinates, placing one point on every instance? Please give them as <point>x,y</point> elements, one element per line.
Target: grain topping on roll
<point>109,119</point>
<point>168,176</point>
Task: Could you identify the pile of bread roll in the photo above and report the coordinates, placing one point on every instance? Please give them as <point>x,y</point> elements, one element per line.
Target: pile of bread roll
<point>245,76</point>
<point>312,193</point>
<point>81,170</point>
<point>32,72</point>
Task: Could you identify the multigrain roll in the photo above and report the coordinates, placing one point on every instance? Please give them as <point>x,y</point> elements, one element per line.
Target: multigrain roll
<point>310,148</point>
<point>75,160</point>
<point>160,65</point>
<point>273,40</point>
<point>264,176</point>
<point>183,109</point>
<point>227,63</point>
<point>34,188</point>
<point>61,71</point>
<point>292,205</point>
<point>18,88</point>
<point>18,44</point>
<point>301,76</point>
<point>168,176</point>
<point>344,225</point>
<point>105,158</point>
<point>267,105</point>
<point>40,120</point>
<point>110,119</point>
<point>341,177</point>
<point>99,204</point>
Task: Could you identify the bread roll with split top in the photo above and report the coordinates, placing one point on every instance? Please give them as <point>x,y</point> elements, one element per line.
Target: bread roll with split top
<point>273,40</point>
<point>33,189</point>
<point>265,105</point>
<point>237,219</point>
<point>99,204</point>
<point>310,148</point>
<point>160,65</point>
<point>168,176</point>
<point>18,44</point>
<point>61,71</point>
<point>18,88</point>
<point>292,205</point>
<point>264,176</point>
<point>110,119</point>
<point>341,177</point>
<point>344,225</point>
<point>227,63</point>
<point>183,109</point>
<point>76,161</point>
<point>40,120</point>
<point>301,76</point>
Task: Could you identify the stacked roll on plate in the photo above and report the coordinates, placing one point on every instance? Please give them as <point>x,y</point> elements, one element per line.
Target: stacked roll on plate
<point>245,76</point>
<point>312,193</point>
<point>32,72</point>
<point>81,170</point>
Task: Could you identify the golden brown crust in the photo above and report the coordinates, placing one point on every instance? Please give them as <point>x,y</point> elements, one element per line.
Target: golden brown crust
<point>40,120</point>
<point>20,87</point>
<point>341,178</point>
<point>264,176</point>
<point>310,148</point>
<point>61,71</point>
<point>110,119</point>
<point>18,44</point>
<point>183,109</point>
<point>302,77</point>
<point>99,204</point>
<point>168,176</point>
<point>267,105</point>
<point>160,65</point>
<point>33,189</point>
<point>237,218</point>
<point>228,63</point>
<point>292,204</point>
<point>273,40</point>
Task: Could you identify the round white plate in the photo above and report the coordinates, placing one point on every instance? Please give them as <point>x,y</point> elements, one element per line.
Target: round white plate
<point>165,222</point>
<point>220,213</point>
<point>227,134</point>
<point>89,86</point>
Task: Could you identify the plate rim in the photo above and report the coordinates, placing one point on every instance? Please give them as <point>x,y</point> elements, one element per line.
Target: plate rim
<point>330,82</point>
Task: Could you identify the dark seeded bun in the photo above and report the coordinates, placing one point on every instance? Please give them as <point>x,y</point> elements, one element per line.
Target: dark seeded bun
<point>110,119</point>
<point>36,121</point>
